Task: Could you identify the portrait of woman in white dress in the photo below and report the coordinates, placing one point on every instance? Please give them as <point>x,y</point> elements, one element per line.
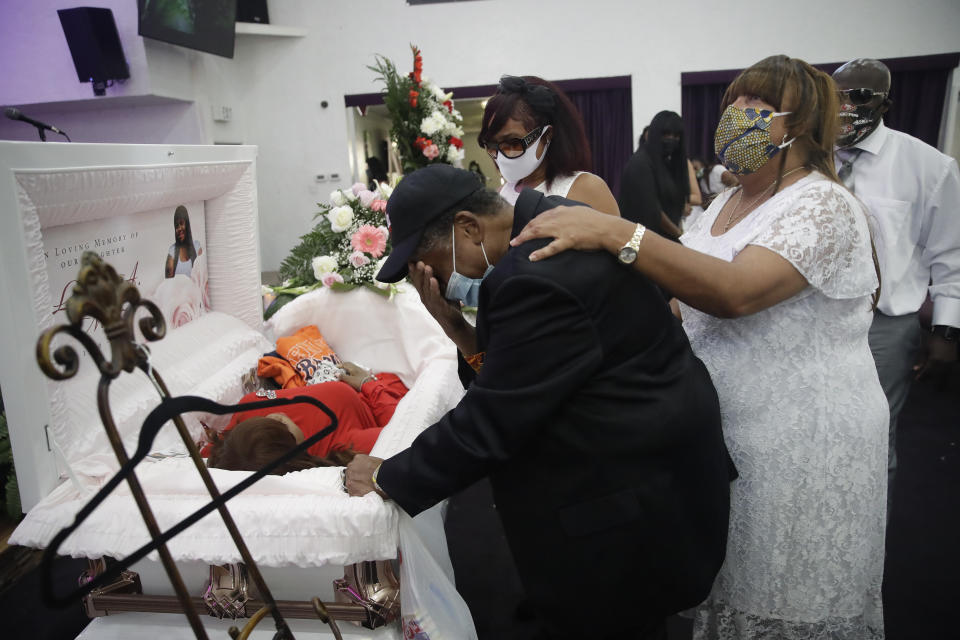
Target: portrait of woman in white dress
<point>184,250</point>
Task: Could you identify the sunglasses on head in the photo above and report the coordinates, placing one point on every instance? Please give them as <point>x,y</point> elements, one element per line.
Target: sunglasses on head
<point>861,96</point>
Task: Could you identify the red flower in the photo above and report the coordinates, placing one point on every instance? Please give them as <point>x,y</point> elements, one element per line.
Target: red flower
<point>413,98</point>
<point>457,142</point>
<point>417,75</point>
<point>448,105</point>
<point>421,143</point>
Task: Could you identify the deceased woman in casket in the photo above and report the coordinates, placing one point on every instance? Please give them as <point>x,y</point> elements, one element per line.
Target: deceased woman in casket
<point>362,401</point>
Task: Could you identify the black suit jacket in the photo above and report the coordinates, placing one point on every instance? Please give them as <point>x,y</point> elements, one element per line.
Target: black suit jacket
<point>600,432</point>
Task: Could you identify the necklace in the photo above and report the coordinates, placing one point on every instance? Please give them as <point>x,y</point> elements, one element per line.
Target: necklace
<point>731,219</point>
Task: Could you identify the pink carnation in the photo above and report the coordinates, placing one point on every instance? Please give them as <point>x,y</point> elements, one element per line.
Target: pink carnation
<point>329,278</point>
<point>366,197</point>
<point>379,205</point>
<point>370,239</point>
<point>357,188</point>
<point>431,151</point>
<point>358,259</point>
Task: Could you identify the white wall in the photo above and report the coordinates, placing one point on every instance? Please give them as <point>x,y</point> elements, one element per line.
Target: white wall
<point>275,85</point>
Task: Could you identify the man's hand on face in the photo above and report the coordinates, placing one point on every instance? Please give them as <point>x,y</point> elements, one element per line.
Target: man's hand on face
<point>445,312</point>
<point>359,476</point>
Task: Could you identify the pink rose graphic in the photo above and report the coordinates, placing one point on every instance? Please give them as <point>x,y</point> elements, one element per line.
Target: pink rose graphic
<point>370,239</point>
<point>179,299</point>
<point>199,277</point>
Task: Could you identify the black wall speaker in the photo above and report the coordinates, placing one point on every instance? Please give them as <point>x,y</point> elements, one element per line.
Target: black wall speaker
<point>252,11</point>
<point>94,44</point>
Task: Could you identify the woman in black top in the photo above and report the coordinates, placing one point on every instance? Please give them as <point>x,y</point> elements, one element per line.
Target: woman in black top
<point>655,183</point>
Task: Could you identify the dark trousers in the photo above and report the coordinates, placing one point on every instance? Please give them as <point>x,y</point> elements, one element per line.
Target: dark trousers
<point>895,343</point>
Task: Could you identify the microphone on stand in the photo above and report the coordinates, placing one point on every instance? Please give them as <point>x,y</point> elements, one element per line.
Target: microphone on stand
<point>15,114</point>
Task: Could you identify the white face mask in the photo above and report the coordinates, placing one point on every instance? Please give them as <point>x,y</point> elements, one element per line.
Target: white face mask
<point>514,170</point>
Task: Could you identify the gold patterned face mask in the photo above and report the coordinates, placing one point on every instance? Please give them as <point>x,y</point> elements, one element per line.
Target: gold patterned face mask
<point>742,141</point>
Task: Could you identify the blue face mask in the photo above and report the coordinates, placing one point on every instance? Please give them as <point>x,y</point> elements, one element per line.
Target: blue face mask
<point>460,288</point>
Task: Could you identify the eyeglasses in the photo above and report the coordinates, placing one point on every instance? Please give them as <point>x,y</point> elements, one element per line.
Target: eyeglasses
<point>511,147</point>
<point>861,96</point>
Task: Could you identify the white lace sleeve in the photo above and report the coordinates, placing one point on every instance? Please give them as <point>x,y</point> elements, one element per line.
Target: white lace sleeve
<point>824,234</point>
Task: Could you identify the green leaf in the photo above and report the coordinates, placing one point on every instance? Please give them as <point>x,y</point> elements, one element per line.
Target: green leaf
<point>282,299</point>
<point>12,496</point>
<point>386,293</point>
<point>343,286</point>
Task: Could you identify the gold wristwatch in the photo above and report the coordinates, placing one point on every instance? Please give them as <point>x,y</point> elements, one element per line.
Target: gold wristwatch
<point>628,252</point>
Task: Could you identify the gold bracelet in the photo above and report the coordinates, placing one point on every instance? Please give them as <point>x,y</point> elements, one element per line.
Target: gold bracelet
<point>374,479</point>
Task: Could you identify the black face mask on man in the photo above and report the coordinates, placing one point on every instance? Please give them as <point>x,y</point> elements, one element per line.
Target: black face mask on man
<point>859,115</point>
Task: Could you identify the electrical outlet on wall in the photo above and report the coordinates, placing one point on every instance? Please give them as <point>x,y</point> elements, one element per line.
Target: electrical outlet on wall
<point>222,113</point>
<point>323,176</point>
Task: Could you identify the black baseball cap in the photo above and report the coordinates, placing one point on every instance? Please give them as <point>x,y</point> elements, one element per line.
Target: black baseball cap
<point>420,198</point>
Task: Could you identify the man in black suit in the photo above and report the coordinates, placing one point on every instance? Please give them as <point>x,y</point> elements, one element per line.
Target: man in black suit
<point>598,427</point>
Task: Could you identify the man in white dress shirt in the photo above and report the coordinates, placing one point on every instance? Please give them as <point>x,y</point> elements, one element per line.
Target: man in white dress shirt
<point>913,194</point>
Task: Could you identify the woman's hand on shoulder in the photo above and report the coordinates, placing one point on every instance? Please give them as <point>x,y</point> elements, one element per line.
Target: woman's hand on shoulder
<point>592,190</point>
<point>579,228</point>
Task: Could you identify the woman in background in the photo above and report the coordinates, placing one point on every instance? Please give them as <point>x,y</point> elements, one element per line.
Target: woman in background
<point>656,181</point>
<point>535,136</point>
<point>714,180</point>
<point>184,249</point>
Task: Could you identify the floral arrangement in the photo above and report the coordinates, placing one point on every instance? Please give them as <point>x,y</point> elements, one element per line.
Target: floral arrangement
<point>345,249</point>
<point>427,129</point>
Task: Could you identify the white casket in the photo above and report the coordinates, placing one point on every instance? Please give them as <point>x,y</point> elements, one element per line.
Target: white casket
<point>300,528</point>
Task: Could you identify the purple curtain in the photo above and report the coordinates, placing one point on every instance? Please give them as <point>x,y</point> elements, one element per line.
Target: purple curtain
<point>608,119</point>
<point>700,106</point>
<point>918,89</point>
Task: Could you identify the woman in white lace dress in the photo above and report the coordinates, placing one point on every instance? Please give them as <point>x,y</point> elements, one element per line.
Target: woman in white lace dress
<point>775,284</point>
